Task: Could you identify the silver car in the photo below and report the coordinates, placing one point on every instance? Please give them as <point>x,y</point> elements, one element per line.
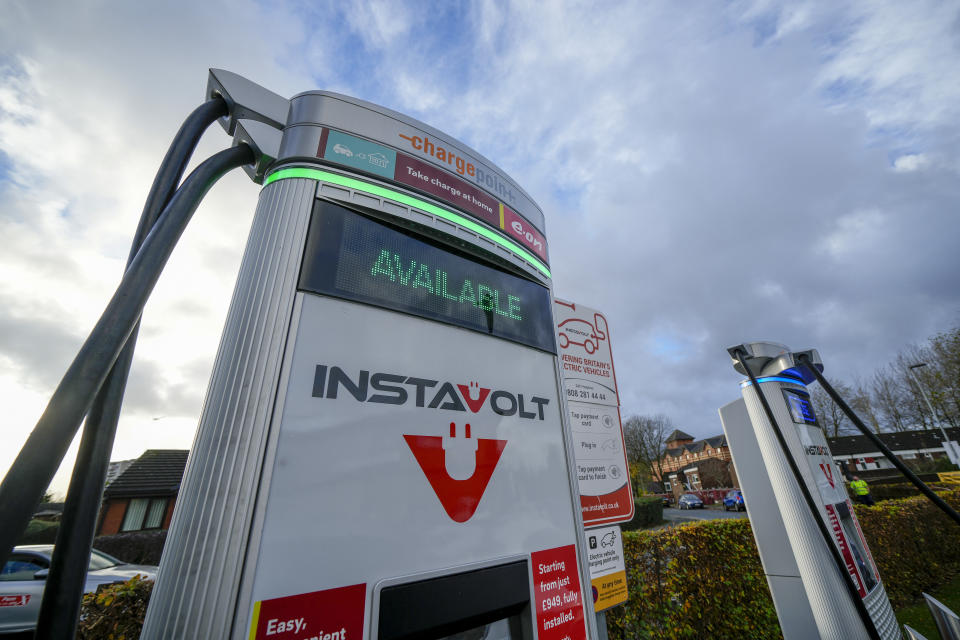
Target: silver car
<point>25,574</point>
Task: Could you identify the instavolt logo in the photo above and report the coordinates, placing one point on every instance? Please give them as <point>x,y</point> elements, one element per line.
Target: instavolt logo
<point>399,389</point>
<point>458,469</point>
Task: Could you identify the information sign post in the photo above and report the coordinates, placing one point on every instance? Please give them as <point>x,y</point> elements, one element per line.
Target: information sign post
<point>593,406</point>
<point>603,474</point>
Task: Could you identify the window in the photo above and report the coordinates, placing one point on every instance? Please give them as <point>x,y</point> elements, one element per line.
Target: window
<point>21,567</point>
<point>144,513</point>
<point>100,560</point>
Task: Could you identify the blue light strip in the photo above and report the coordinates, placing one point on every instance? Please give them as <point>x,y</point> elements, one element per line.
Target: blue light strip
<point>747,383</point>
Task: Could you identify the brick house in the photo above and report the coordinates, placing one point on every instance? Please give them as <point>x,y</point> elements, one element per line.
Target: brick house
<point>142,497</point>
<point>697,464</point>
<point>858,455</point>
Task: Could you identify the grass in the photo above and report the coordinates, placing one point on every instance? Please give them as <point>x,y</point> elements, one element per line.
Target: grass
<point>918,615</point>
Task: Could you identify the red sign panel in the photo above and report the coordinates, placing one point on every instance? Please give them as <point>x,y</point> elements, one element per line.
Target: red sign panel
<point>332,614</point>
<point>19,600</point>
<point>441,184</point>
<point>609,507</point>
<point>557,596</point>
<point>845,550</point>
<point>523,232</point>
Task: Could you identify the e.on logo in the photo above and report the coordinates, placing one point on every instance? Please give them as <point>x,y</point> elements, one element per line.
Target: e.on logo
<point>458,469</point>
<point>531,239</point>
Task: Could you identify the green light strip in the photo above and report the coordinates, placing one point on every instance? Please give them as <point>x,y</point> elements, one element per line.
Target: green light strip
<point>410,201</point>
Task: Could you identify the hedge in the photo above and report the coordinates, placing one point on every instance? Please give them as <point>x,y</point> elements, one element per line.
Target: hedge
<point>915,545</point>
<point>116,611</point>
<point>39,532</point>
<point>700,580</point>
<point>647,512</point>
<point>705,580</point>
<point>135,547</point>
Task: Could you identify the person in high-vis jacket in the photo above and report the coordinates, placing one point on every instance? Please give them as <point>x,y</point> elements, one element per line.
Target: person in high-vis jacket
<point>861,491</point>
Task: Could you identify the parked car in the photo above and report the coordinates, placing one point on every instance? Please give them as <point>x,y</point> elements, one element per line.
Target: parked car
<point>689,501</point>
<point>666,501</point>
<point>733,501</point>
<point>25,574</point>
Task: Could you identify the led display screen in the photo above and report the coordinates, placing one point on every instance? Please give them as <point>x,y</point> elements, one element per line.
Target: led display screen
<point>351,256</point>
<point>801,409</point>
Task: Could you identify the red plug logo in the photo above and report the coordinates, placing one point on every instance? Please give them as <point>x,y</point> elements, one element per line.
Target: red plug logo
<point>458,469</point>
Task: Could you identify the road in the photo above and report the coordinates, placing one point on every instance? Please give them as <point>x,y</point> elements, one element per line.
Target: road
<point>691,515</point>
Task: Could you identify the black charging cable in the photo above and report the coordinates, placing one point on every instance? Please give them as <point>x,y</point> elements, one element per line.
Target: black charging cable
<point>63,591</point>
<point>804,360</point>
<point>838,560</point>
<point>44,449</point>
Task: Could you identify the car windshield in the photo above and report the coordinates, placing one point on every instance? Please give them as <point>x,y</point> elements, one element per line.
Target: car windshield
<point>100,560</point>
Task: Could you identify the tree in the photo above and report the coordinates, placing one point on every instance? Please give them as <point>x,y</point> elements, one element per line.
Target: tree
<point>645,438</point>
<point>862,403</point>
<point>891,399</point>
<point>831,416</point>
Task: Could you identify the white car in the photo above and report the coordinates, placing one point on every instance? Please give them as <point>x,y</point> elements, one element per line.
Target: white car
<point>25,574</point>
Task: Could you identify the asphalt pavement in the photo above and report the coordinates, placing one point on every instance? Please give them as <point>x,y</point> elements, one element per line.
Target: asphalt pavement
<point>690,515</point>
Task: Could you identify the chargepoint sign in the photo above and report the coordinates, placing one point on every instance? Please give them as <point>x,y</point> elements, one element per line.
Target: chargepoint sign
<point>388,427</point>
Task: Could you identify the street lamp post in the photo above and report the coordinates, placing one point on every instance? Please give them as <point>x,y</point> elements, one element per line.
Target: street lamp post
<point>946,440</point>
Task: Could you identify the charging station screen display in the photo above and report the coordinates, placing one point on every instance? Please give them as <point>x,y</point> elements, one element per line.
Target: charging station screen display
<point>351,256</point>
<point>801,409</point>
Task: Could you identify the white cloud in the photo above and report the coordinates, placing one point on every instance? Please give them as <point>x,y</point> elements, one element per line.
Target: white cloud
<point>911,162</point>
<point>902,59</point>
<point>691,163</point>
<point>856,234</point>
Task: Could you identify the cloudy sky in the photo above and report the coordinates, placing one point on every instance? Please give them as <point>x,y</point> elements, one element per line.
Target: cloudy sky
<point>711,173</point>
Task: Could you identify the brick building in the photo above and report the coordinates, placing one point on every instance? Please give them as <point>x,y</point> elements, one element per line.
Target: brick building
<point>697,464</point>
<point>142,497</point>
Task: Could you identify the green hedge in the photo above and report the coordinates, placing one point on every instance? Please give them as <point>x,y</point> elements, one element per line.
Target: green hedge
<point>648,511</point>
<point>115,611</point>
<point>915,545</point>
<point>705,580</point>
<point>701,580</point>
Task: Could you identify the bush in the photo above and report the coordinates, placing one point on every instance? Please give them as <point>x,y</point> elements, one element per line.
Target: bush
<point>115,611</point>
<point>39,532</point>
<point>896,491</point>
<point>135,547</point>
<point>705,580</point>
<point>648,511</point>
<point>915,545</point>
<point>701,580</point>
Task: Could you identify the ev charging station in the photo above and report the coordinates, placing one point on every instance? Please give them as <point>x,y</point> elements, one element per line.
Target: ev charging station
<point>382,453</point>
<point>801,515</point>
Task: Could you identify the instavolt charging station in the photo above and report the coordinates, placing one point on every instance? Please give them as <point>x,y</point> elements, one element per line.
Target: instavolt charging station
<point>382,451</point>
<point>821,574</point>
